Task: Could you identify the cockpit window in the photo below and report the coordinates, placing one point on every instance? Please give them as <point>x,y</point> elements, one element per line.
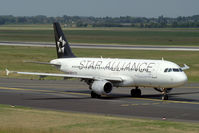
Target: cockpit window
<point>166,70</point>
<point>173,70</point>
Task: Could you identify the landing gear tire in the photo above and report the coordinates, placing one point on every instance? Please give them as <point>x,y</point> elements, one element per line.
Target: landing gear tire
<point>136,93</point>
<point>94,95</point>
<point>165,93</point>
<point>165,97</point>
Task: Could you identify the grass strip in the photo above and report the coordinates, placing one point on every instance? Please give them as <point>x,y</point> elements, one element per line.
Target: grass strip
<point>16,119</point>
<point>130,36</point>
<point>12,57</point>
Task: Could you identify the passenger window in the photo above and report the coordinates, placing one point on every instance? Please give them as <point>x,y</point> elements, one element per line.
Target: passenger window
<point>180,69</point>
<point>166,70</point>
<point>170,70</point>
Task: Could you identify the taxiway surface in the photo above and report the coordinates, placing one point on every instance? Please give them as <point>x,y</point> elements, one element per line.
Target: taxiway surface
<point>73,95</point>
<point>106,46</point>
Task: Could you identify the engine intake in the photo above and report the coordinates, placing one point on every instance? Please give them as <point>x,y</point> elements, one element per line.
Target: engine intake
<point>102,87</point>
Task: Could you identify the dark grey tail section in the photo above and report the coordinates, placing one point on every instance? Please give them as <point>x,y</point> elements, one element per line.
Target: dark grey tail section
<point>62,45</point>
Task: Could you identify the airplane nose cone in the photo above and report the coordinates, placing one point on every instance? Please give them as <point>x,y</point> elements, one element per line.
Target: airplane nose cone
<point>180,79</point>
<point>183,79</point>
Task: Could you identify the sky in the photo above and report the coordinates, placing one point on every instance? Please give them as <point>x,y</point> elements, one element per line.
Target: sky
<point>100,8</point>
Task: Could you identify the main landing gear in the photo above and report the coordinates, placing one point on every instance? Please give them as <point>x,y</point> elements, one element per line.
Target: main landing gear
<point>136,92</point>
<point>95,95</point>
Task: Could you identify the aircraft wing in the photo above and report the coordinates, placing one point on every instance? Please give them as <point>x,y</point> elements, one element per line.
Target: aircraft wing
<point>118,79</point>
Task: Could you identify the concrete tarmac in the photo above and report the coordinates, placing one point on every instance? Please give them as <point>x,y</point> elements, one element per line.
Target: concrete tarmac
<point>73,95</point>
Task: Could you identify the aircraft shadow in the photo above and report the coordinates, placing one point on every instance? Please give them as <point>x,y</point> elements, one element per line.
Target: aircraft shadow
<point>122,96</point>
<point>59,98</point>
<point>172,96</point>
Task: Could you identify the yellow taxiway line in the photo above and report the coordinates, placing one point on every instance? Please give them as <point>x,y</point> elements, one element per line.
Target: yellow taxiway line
<point>36,90</point>
<point>166,101</point>
<point>74,93</point>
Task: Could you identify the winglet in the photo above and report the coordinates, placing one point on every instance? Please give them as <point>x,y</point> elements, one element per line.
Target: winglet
<point>185,67</point>
<point>7,72</point>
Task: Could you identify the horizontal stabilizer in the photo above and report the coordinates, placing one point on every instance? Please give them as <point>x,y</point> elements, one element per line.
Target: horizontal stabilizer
<point>37,62</point>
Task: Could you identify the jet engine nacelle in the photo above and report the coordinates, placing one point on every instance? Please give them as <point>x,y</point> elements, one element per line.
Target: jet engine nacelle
<point>102,87</point>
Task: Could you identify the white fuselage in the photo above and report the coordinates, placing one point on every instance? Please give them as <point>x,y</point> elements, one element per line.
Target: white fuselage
<point>133,72</point>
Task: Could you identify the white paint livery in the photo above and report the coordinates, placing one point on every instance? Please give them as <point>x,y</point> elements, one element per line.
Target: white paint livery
<point>102,74</point>
<point>125,72</point>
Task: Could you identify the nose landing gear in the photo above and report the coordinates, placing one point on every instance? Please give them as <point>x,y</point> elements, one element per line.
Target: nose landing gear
<point>164,92</point>
<point>165,97</point>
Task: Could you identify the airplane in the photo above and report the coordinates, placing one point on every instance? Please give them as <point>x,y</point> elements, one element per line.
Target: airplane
<point>103,74</point>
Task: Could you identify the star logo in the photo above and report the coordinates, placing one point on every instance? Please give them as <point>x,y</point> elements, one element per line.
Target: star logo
<point>61,43</point>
